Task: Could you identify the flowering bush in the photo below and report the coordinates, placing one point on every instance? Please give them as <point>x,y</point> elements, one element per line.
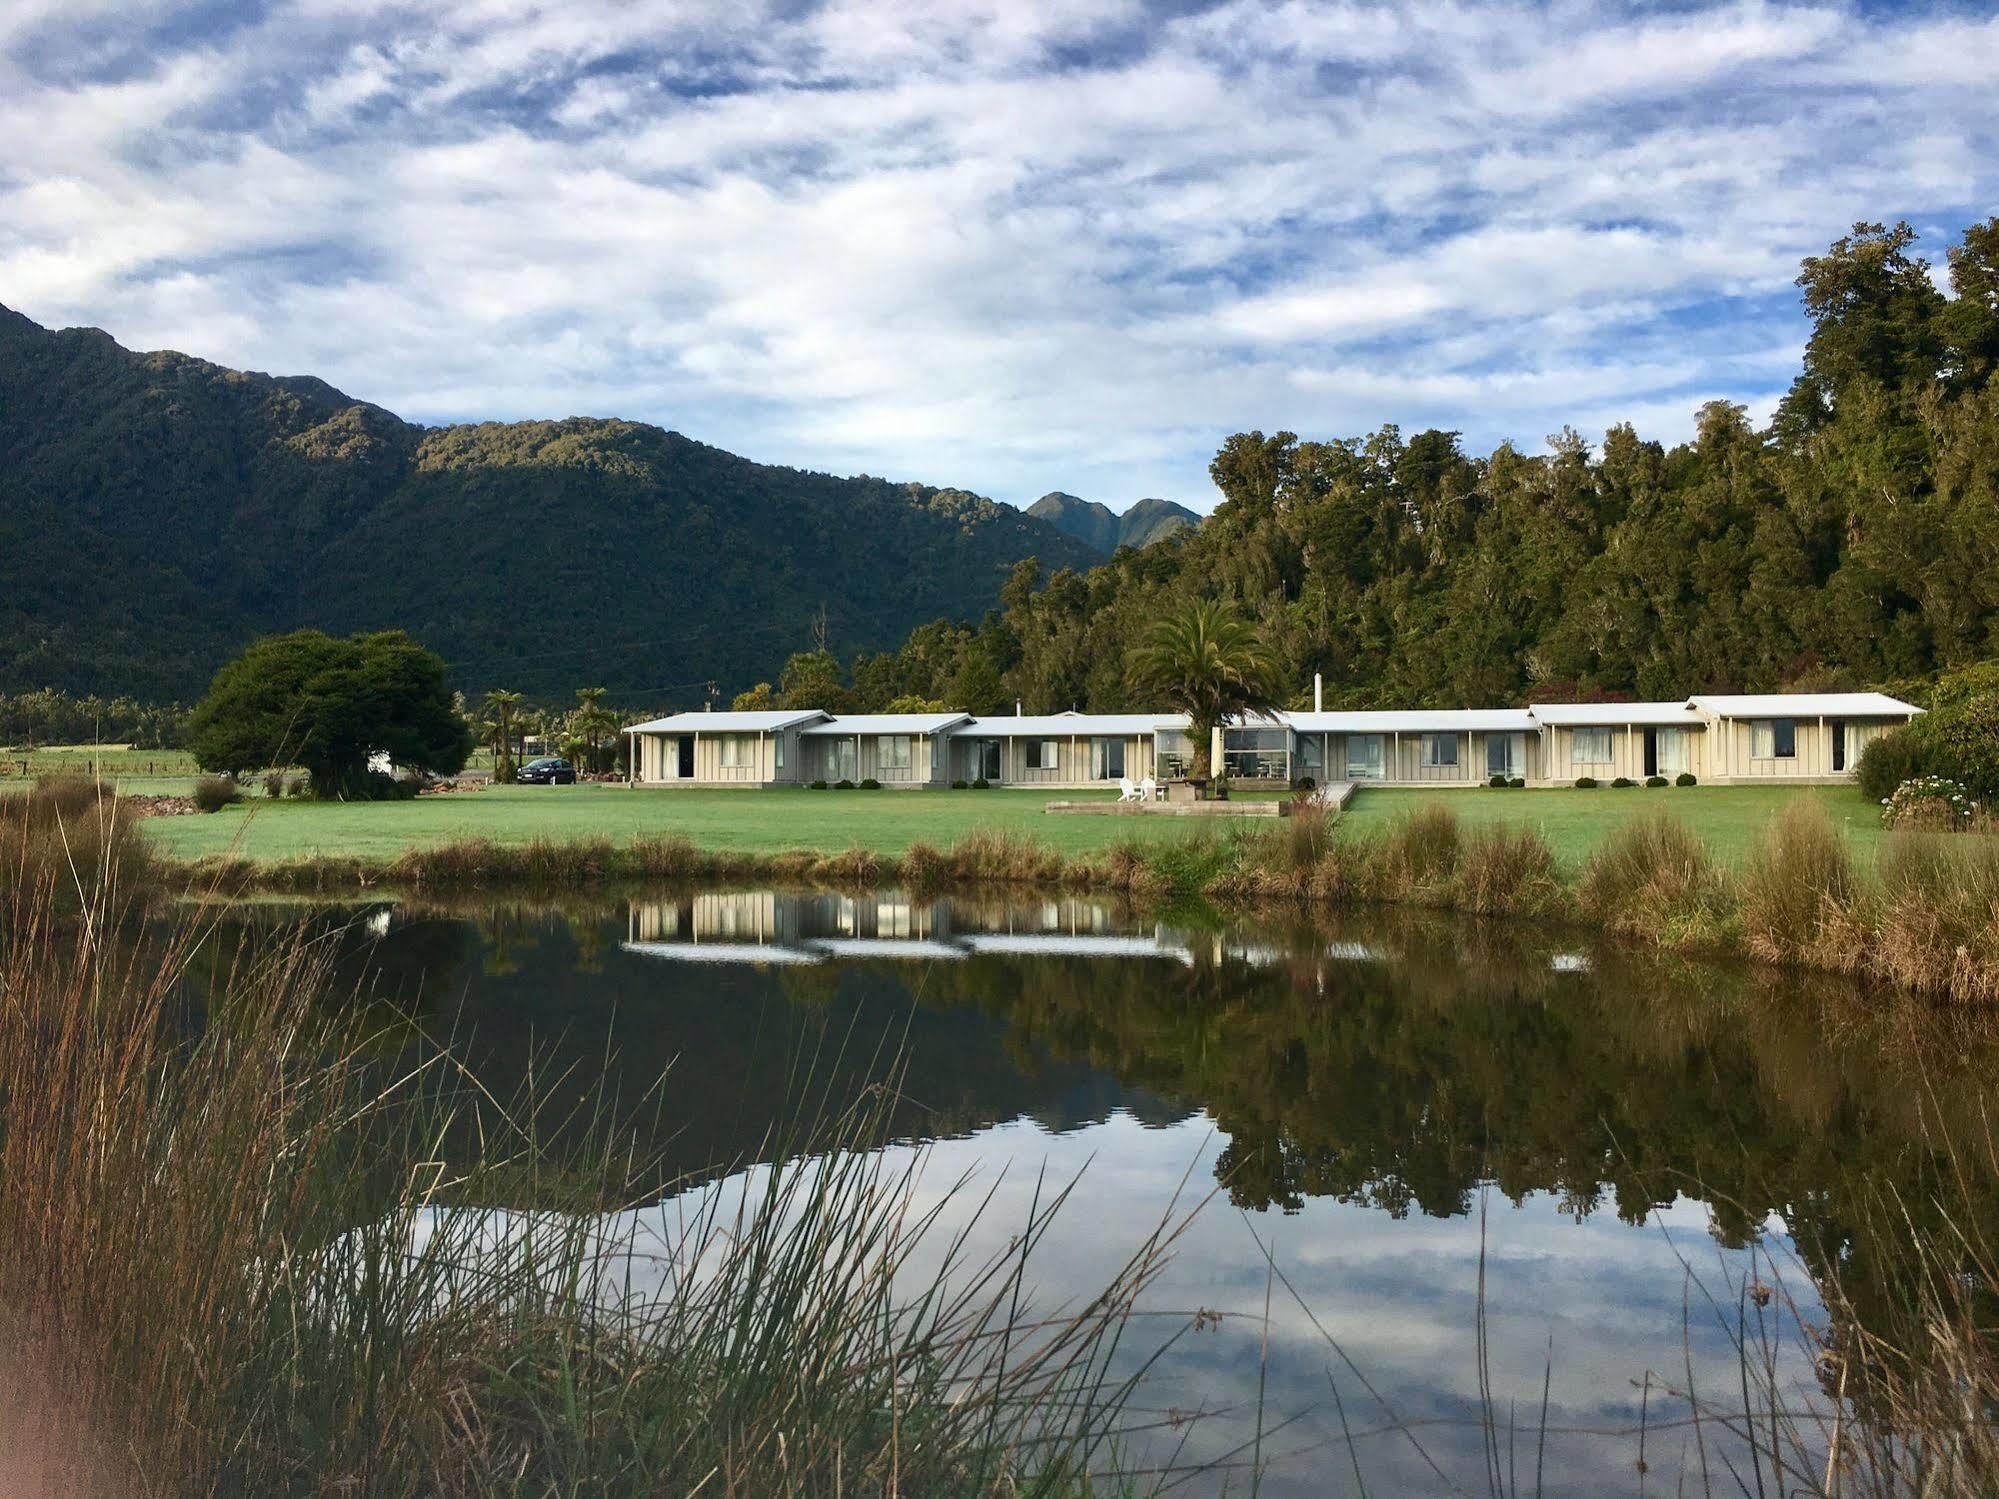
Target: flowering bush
<point>1929,803</point>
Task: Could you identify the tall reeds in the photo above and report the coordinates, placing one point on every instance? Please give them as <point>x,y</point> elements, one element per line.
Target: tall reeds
<point>238,1254</point>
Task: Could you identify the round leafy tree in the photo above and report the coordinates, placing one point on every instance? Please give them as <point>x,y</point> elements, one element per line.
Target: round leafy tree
<point>328,705</point>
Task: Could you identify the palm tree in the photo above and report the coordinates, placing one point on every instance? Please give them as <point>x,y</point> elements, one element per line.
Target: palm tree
<point>503,712</point>
<point>593,723</point>
<point>1210,663</point>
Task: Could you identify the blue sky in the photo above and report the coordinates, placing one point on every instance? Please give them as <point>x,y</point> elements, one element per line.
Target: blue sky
<point>1014,245</point>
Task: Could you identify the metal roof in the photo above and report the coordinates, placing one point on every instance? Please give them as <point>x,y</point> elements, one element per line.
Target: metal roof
<point>1064,725</point>
<point>1416,721</point>
<point>726,723</point>
<point>889,723</point>
<point>1806,705</point>
<point>1676,714</point>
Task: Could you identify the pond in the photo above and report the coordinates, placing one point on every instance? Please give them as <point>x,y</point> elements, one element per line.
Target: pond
<point>1482,1203</point>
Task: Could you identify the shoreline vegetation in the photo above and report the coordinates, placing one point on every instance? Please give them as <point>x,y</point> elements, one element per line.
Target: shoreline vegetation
<point>241,1252</point>
<point>238,1251</point>
<point>1924,919</point>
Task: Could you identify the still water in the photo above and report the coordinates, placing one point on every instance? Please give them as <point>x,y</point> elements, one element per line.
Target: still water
<point>1483,1202</point>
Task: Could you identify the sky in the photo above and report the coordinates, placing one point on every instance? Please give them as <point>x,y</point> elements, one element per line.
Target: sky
<point>1009,245</point>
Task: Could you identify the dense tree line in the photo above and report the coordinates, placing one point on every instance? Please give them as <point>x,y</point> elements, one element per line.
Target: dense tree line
<point>47,716</point>
<point>1855,540</point>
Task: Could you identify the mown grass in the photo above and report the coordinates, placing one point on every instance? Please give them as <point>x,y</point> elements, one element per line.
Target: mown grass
<point>237,1256</point>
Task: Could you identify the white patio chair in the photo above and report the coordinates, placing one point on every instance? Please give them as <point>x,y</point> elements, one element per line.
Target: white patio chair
<point>1148,789</point>
<point>1126,790</point>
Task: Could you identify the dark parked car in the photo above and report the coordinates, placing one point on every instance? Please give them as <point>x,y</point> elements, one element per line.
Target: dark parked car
<point>548,773</point>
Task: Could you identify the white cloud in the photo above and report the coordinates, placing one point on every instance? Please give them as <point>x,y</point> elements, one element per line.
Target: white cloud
<point>1004,245</point>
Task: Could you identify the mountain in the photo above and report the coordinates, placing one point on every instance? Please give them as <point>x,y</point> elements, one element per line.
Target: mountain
<point>157,512</point>
<point>1103,528</point>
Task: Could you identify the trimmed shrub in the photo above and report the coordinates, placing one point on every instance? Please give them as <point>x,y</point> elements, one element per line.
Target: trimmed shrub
<point>1653,783</point>
<point>1888,761</point>
<point>1686,778</point>
<point>869,783</point>
<point>1518,783</point>
<point>213,793</point>
<point>1585,783</point>
<point>959,785</point>
<point>982,784</point>
<point>1624,783</point>
<point>815,786</point>
<point>1498,780</point>
<point>843,785</point>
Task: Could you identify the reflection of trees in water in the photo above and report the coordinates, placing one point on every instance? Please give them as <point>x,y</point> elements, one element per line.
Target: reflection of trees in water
<point>1398,1061</point>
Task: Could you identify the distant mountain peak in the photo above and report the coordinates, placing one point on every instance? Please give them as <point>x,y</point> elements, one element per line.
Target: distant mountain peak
<point>1094,522</point>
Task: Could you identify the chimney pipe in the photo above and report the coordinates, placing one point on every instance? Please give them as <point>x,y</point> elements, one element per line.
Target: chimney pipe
<point>1318,692</point>
<point>1018,711</point>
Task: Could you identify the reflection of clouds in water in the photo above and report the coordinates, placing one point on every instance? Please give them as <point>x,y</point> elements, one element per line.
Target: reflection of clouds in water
<point>1401,1296</point>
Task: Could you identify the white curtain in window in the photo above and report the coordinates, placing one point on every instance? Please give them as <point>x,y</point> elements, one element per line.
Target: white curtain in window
<point>1762,739</point>
<point>1590,747</point>
<point>893,751</point>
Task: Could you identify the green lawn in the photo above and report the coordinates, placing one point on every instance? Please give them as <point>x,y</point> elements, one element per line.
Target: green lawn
<point>1726,817</point>
<point>745,821</point>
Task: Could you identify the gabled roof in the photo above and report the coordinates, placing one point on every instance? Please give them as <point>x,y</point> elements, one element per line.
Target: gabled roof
<point>1415,721</point>
<point>768,722</point>
<point>889,723</point>
<point>1677,714</point>
<point>1805,705</point>
<point>1063,725</point>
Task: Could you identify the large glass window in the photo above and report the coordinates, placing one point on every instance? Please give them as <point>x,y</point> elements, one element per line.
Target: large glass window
<point>892,751</point>
<point>1440,749</point>
<point>1363,757</point>
<point>736,751</point>
<point>843,760</point>
<point>1042,754</point>
<point>1773,739</point>
<point>1107,759</point>
<point>1505,754</point>
<point>1589,747</point>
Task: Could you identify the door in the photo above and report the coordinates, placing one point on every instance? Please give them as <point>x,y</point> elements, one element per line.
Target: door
<point>1109,757</point>
<point>684,757</point>
<point>1651,752</point>
<point>1837,728</point>
<point>1363,757</point>
<point>1671,756</point>
<point>1503,755</point>
<point>989,760</point>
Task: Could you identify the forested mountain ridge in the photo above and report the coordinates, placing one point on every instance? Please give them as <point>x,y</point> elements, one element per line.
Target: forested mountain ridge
<point>1856,539</point>
<point>1093,521</point>
<point>158,511</point>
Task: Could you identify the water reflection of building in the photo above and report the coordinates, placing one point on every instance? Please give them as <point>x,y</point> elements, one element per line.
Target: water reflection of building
<point>765,926</point>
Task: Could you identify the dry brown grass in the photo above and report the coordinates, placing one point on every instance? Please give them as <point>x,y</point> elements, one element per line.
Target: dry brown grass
<point>1652,879</point>
<point>71,837</point>
<point>1798,890</point>
<point>1935,917</point>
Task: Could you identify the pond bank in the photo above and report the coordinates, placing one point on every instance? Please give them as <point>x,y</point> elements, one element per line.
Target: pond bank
<point>1924,920</point>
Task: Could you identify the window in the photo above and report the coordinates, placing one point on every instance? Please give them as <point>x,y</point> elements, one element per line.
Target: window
<point>892,751</point>
<point>1041,754</point>
<point>842,760</point>
<point>1440,749</point>
<point>1773,739</point>
<point>1505,754</point>
<point>1107,759</point>
<point>1363,757</point>
<point>735,751</point>
<point>777,750</point>
<point>1589,747</point>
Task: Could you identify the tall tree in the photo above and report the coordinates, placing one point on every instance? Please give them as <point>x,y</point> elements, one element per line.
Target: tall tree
<point>328,705</point>
<point>1208,662</point>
